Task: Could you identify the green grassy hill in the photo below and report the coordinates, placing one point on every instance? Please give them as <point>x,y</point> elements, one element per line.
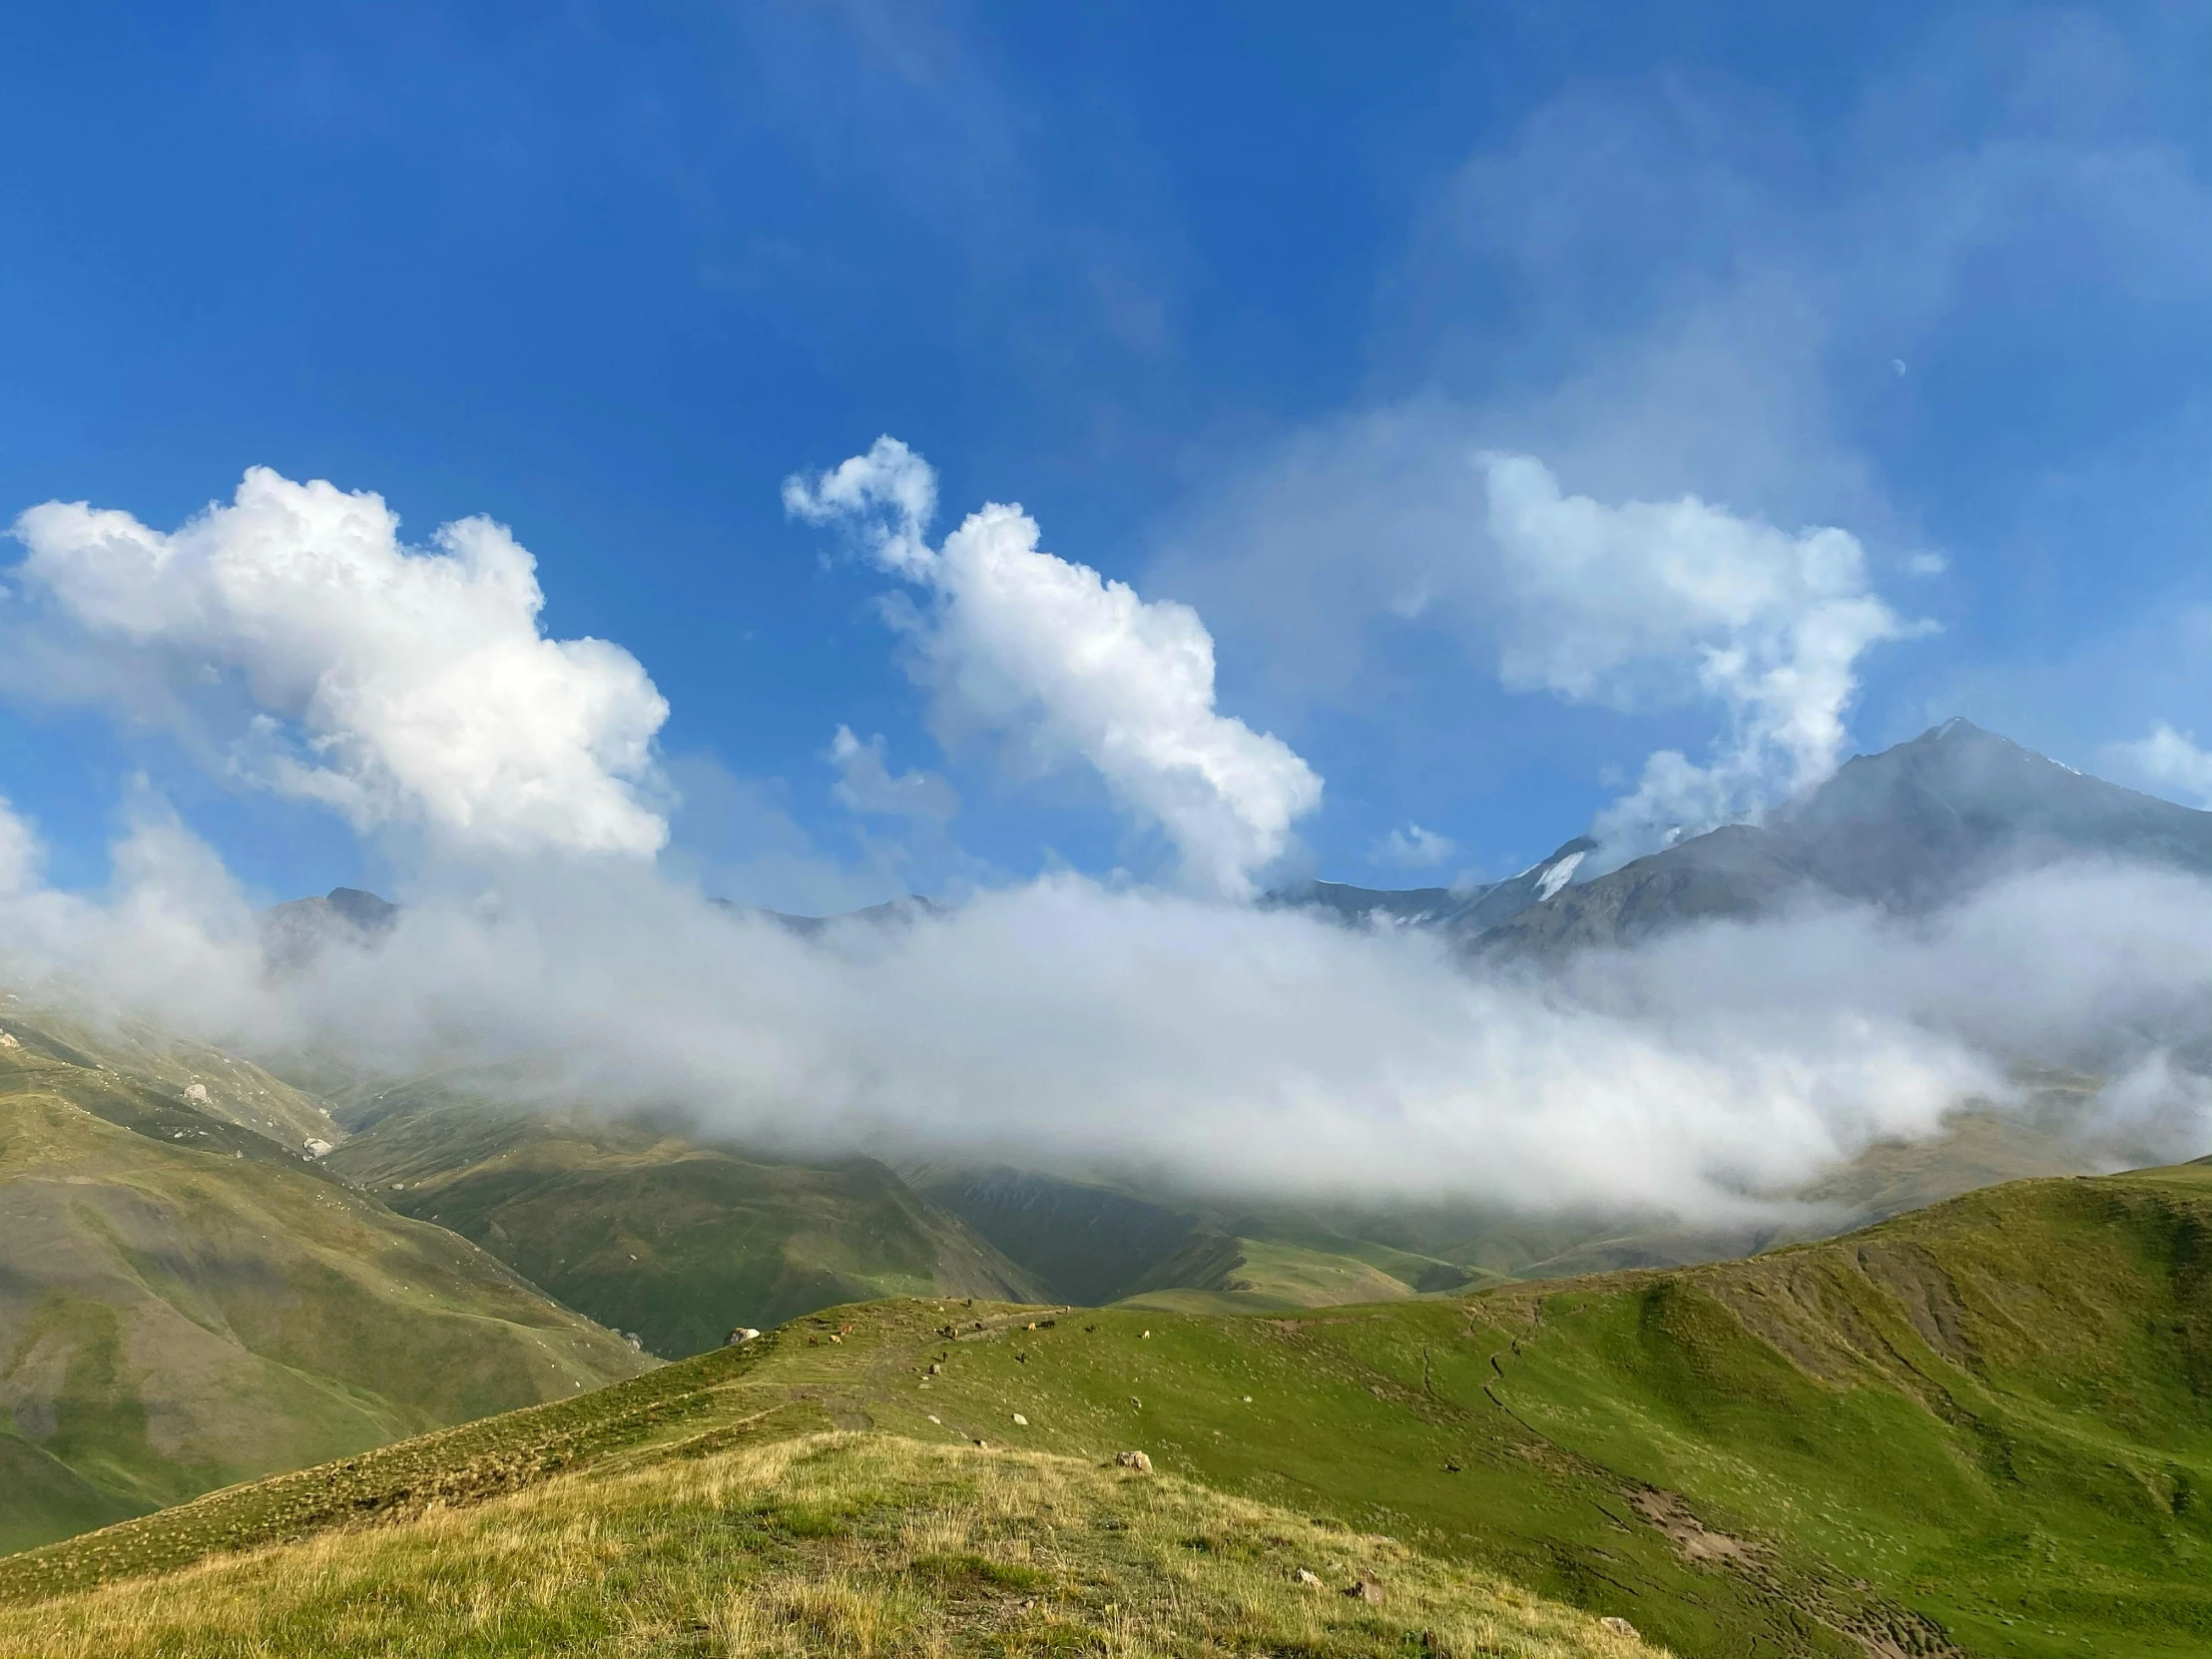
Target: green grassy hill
<point>1980,1429</point>
<point>1226,1274</point>
<point>218,1085</point>
<point>651,1231</point>
<point>185,1304</point>
<point>831,1544</point>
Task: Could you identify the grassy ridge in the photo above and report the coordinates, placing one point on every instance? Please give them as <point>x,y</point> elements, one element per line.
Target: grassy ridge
<point>854,1544</point>
<point>1980,1428</point>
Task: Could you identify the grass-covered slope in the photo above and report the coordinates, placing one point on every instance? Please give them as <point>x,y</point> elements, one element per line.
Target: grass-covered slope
<point>185,1304</point>
<point>829,1544</point>
<point>652,1232</point>
<point>1224,1274</point>
<point>218,1085</point>
<point>1982,1428</point>
<point>1080,1242</point>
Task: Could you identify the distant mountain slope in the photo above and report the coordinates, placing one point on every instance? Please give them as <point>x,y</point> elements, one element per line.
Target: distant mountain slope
<point>295,932</point>
<point>655,1234</point>
<point>1403,904</point>
<point>1092,1244</point>
<point>186,1302</point>
<point>1919,822</point>
<point>1909,828</point>
<point>1461,912</point>
<point>1079,1242</point>
<point>218,1084</point>
<point>1982,1428</point>
<point>892,912</point>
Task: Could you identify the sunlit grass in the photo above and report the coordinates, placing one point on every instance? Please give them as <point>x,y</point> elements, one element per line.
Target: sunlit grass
<point>837,1545</point>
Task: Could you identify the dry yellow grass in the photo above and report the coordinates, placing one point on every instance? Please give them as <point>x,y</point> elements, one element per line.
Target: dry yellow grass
<point>833,1544</point>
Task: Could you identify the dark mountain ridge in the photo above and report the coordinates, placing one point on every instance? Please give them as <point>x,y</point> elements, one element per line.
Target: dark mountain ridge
<point>1912,829</point>
<point>1470,911</point>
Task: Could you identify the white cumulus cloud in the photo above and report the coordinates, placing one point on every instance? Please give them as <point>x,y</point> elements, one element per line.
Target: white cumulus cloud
<point>1620,605</point>
<point>391,683</point>
<point>1067,666</point>
<point>889,495</point>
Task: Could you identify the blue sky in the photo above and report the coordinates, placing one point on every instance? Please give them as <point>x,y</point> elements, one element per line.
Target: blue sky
<point>1233,306</point>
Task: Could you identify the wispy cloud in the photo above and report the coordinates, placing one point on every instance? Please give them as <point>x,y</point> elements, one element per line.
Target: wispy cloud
<point>1412,847</point>
<point>2170,761</point>
<point>865,782</point>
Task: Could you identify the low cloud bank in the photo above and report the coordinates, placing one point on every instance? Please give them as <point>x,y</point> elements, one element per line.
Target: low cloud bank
<point>1063,1024</point>
<point>1069,1026</point>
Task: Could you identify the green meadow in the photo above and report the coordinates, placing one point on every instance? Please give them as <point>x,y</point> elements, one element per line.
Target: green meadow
<point>1984,1427</point>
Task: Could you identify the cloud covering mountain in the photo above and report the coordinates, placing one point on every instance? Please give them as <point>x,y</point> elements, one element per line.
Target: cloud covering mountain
<point>1066,1022</point>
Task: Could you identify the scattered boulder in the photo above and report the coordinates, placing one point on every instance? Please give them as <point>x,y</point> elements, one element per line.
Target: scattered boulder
<point>197,1093</point>
<point>318,1148</point>
<point>1364,1589</point>
<point>1021,1422</point>
<point>1619,1626</point>
<point>740,1334</point>
<point>7,1041</point>
<point>1311,1581</point>
<point>1135,1461</point>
